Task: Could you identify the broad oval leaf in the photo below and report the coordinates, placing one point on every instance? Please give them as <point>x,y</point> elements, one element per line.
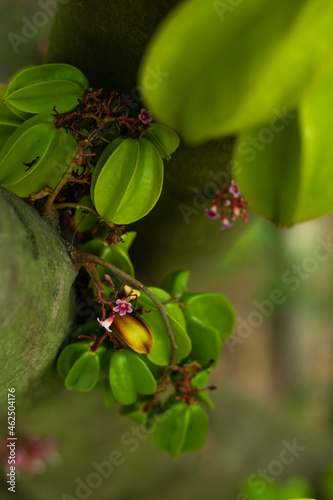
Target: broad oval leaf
<point>206,342</point>
<point>129,183</point>
<point>211,309</point>
<point>161,352</point>
<point>84,374</point>
<point>38,89</point>
<point>69,355</point>
<point>222,69</point>
<point>180,429</point>
<point>130,376</point>
<point>164,138</point>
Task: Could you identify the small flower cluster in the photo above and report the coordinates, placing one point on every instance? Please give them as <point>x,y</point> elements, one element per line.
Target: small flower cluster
<point>227,206</point>
<point>122,307</point>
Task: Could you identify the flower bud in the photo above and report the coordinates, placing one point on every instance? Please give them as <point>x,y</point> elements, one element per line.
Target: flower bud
<point>134,332</point>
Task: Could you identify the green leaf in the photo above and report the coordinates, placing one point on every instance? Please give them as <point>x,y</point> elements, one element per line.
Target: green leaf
<point>211,309</point>
<point>33,138</point>
<point>69,356</point>
<point>288,179</point>
<point>50,168</point>
<point>38,89</point>
<point>161,352</point>
<point>206,342</point>
<point>84,374</point>
<point>224,72</point>
<point>128,239</point>
<point>315,190</point>
<point>5,133</point>
<point>182,428</point>
<point>269,177</point>
<point>176,283</point>
<point>130,376</point>
<point>129,183</point>
<point>164,138</point>
<point>197,429</point>
<point>107,152</point>
<point>172,309</point>
<point>108,396</point>
<point>85,221</point>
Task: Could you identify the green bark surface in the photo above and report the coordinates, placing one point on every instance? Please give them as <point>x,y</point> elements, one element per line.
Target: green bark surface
<point>36,276</point>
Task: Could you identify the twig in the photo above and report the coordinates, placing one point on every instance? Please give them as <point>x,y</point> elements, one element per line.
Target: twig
<point>83,259</point>
<point>77,206</point>
<point>48,208</point>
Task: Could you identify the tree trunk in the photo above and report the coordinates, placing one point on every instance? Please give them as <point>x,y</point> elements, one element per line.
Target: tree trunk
<point>36,276</point>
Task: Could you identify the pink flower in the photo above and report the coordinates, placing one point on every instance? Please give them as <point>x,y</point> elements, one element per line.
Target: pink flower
<point>145,116</point>
<point>107,323</point>
<point>211,212</point>
<point>234,189</point>
<point>123,307</point>
<point>225,224</point>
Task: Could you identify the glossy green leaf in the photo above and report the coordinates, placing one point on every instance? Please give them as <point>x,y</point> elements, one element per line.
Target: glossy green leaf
<point>129,183</point>
<point>161,352</point>
<point>38,89</point>
<point>176,283</point>
<point>164,138</point>
<point>33,138</point>
<point>220,71</point>
<point>84,220</point>
<point>206,342</point>
<point>172,308</point>
<point>50,168</point>
<point>84,374</point>
<point>211,309</point>
<point>130,376</point>
<point>182,428</point>
<point>107,152</point>
<point>69,356</point>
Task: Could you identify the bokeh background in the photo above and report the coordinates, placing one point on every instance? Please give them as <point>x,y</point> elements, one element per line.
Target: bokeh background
<point>274,381</point>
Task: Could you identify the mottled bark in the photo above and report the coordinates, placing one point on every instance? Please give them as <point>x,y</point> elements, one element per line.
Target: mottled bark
<point>36,276</point>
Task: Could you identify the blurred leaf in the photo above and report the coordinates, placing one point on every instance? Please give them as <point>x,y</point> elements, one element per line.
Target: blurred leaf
<point>288,179</point>
<point>182,428</point>
<point>224,72</point>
